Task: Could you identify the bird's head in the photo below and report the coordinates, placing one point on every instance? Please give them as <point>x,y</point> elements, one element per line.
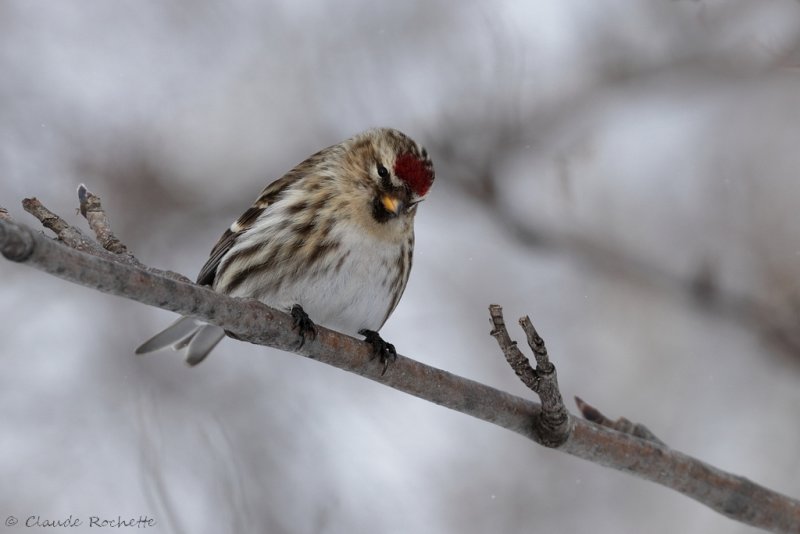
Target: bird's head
<point>399,171</point>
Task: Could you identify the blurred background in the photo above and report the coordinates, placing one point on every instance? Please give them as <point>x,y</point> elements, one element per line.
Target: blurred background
<point>624,172</point>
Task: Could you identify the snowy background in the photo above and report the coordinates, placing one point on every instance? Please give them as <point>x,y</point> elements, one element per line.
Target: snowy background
<point>626,172</point>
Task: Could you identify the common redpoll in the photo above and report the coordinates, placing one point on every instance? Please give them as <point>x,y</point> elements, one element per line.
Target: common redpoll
<point>331,241</point>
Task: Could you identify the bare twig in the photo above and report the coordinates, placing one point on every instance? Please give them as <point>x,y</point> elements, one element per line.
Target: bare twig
<point>91,208</point>
<point>64,232</point>
<point>48,219</point>
<point>620,425</point>
<point>518,362</point>
<point>252,321</point>
<point>553,422</point>
<point>554,414</point>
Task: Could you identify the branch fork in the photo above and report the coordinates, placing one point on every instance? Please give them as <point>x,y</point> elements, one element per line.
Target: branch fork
<point>552,425</point>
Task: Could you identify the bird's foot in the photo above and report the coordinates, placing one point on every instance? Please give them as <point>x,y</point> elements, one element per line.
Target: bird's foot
<point>303,324</point>
<point>380,349</point>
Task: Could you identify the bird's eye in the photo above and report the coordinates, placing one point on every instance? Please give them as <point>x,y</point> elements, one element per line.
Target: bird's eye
<point>382,171</point>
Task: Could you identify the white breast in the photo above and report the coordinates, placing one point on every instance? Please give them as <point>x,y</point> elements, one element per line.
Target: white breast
<point>353,297</point>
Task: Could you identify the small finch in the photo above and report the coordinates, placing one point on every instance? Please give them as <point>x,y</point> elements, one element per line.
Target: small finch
<point>331,241</point>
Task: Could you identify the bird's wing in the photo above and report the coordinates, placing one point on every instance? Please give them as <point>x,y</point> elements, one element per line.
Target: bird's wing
<point>209,270</point>
<point>268,196</point>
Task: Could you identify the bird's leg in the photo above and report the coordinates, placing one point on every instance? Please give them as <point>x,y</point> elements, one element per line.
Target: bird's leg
<point>303,324</point>
<point>380,348</point>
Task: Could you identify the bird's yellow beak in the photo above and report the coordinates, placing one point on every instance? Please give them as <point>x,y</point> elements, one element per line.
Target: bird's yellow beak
<point>391,204</point>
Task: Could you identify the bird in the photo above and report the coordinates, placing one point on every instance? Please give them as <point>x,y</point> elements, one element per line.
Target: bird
<point>331,242</point>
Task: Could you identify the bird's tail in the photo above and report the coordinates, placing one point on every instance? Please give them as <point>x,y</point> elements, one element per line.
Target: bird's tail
<point>197,337</point>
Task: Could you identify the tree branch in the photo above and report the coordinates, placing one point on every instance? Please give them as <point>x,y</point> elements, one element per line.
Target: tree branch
<point>553,422</point>
<point>254,322</point>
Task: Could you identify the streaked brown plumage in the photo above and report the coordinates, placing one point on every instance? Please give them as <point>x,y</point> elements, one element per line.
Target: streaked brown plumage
<point>332,241</point>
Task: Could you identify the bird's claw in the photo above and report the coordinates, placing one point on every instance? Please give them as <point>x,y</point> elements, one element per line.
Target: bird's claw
<point>381,349</point>
<point>303,324</point>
